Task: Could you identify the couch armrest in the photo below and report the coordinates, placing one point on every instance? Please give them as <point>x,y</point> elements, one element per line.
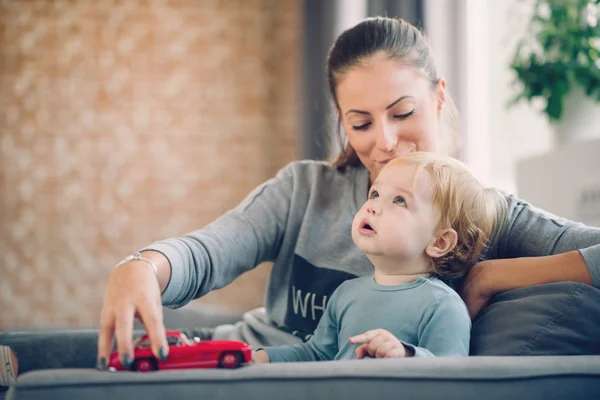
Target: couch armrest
<point>38,349</point>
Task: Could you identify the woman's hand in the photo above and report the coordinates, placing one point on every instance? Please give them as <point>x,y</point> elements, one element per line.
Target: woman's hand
<point>133,290</point>
<point>476,292</point>
<point>487,278</point>
<point>379,343</point>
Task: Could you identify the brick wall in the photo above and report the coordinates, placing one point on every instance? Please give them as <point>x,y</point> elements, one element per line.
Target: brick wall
<point>124,122</point>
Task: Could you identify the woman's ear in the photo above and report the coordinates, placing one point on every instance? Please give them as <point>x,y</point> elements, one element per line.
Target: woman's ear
<point>444,243</point>
<point>441,94</point>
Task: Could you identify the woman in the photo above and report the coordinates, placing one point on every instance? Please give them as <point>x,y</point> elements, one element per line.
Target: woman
<point>390,101</point>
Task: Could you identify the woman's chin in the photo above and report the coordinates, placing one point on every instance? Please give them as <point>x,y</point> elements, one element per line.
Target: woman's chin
<point>376,168</point>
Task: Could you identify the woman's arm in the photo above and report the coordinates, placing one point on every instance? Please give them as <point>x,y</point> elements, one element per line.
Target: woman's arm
<point>490,277</point>
<point>529,232</point>
<point>533,247</point>
<point>191,266</point>
<point>212,257</point>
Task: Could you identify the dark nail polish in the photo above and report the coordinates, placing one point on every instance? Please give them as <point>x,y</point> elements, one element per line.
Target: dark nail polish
<point>126,360</point>
<point>162,354</point>
<point>101,364</point>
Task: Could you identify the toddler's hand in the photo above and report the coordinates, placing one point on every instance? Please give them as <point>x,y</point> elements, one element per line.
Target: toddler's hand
<point>260,357</point>
<point>378,343</point>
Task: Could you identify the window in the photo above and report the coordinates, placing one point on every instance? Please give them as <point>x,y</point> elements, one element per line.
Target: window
<point>173,341</point>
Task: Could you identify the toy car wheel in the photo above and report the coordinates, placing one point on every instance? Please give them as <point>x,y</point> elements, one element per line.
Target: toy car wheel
<point>230,360</point>
<point>145,365</point>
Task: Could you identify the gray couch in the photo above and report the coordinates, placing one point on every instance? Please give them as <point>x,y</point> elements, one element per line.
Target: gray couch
<point>541,342</point>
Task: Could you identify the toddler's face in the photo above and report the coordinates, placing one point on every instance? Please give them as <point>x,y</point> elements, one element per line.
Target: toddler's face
<point>399,218</point>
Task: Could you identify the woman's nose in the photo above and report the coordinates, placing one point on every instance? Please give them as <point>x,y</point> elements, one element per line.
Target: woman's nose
<point>387,139</point>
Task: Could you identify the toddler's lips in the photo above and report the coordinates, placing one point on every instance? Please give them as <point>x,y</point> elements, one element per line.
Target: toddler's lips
<point>365,228</point>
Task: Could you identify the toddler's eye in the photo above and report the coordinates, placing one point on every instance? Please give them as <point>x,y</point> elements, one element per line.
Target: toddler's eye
<point>399,201</point>
<point>373,194</point>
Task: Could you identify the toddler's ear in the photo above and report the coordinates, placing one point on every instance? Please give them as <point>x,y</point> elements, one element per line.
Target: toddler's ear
<point>445,242</point>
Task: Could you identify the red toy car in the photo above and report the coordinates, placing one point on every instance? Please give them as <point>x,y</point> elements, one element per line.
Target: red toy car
<point>185,353</point>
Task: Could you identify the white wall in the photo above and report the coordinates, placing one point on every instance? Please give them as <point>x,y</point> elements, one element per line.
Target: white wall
<point>521,131</point>
<point>480,44</point>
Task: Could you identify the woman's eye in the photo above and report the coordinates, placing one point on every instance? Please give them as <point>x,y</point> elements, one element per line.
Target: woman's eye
<point>373,194</point>
<point>404,116</point>
<point>399,201</point>
<point>361,127</point>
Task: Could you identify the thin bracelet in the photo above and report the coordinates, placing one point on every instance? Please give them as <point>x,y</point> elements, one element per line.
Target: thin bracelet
<point>140,257</point>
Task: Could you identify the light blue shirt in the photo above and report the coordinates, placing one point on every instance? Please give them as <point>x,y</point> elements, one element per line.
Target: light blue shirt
<point>425,314</point>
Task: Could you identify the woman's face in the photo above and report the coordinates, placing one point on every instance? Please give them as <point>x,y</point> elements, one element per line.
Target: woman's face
<point>389,109</point>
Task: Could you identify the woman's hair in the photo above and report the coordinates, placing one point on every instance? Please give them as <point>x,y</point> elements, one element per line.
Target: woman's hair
<point>400,41</point>
<point>472,210</point>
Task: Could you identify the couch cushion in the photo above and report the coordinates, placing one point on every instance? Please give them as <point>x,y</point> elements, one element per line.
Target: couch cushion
<point>447,378</point>
<point>552,319</point>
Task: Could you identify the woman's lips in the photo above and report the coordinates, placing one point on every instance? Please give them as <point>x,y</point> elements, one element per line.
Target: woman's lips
<point>383,162</point>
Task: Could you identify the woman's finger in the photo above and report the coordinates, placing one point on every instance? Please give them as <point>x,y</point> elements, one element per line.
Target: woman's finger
<point>105,339</point>
<point>124,333</point>
<point>152,318</point>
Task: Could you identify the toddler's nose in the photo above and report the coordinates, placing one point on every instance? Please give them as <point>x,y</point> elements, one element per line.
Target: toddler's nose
<point>374,210</point>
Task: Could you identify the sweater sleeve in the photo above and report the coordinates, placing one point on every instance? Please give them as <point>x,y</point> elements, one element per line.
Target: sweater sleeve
<point>445,329</point>
<point>531,232</point>
<point>212,257</point>
<point>322,345</point>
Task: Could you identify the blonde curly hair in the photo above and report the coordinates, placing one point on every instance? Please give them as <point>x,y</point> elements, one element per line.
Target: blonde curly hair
<point>466,206</point>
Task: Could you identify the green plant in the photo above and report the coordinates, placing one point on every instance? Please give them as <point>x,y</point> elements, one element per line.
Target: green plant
<point>561,49</point>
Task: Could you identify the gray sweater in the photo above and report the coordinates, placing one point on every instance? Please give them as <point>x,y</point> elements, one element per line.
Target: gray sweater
<point>426,315</point>
<point>301,220</point>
